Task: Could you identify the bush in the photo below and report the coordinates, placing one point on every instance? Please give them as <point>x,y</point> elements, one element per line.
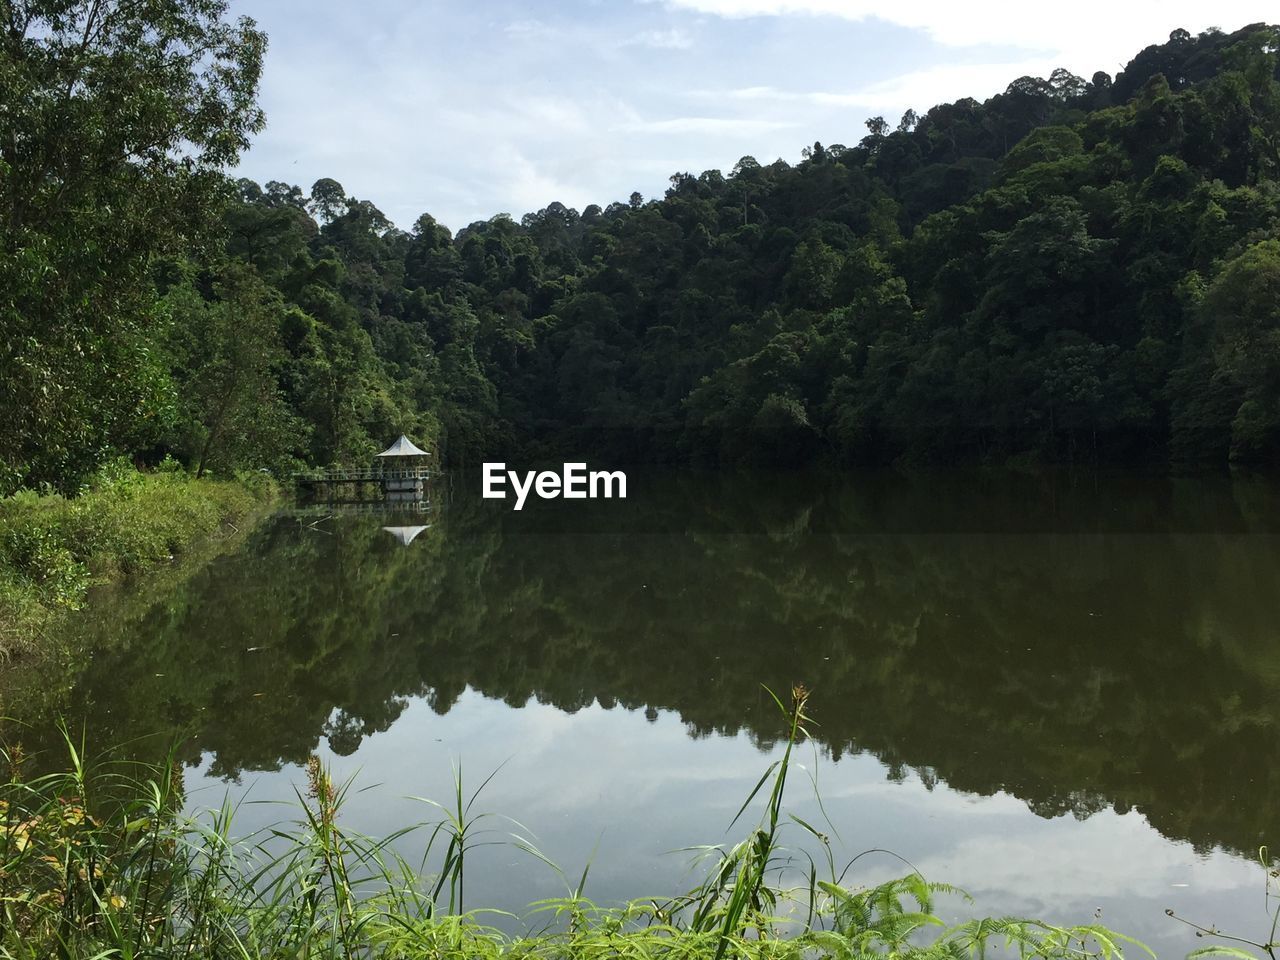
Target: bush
<point>52,548</point>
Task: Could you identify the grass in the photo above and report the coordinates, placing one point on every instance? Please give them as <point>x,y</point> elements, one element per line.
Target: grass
<point>54,548</point>
<point>102,863</point>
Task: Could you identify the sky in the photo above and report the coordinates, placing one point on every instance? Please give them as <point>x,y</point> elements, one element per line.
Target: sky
<point>469,108</point>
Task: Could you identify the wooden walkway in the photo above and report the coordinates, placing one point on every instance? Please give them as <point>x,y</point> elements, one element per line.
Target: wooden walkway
<point>361,484</point>
<point>314,509</point>
<point>359,475</point>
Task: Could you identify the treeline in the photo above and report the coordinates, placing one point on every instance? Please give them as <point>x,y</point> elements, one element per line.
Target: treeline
<point>1069,271</point>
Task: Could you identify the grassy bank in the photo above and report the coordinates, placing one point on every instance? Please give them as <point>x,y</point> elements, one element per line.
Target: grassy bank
<point>103,863</point>
<point>54,548</point>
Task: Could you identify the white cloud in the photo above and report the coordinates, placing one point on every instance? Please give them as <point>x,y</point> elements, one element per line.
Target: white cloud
<point>1084,36</point>
<point>531,188</point>
<point>754,93</point>
<point>672,39</point>
<point>461,111</point>
<point>717,126</point>
<point>531,30</point>
<point>920,89</point>
<point>558,114</point>
<point>925,88</point>
<point>1039,39</point>
<point>599,38</point>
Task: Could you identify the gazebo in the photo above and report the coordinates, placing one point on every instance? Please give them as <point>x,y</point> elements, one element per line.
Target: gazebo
<point>403,469</point>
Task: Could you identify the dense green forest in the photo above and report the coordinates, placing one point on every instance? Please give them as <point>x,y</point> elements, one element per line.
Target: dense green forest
<point>1071,271</point>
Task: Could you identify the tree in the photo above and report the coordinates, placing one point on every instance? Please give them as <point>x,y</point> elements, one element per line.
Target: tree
<point>811,279</point>
<point>328,199</point>
<point>119,116</point>
<point>227,356</point>
<point>1243,306</point>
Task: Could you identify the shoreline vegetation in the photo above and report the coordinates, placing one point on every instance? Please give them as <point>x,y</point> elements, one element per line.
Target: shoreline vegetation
<point>107,864</point>
<point>54,549</point>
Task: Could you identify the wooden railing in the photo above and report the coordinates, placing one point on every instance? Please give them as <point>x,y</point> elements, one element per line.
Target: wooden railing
<point>361,475</point>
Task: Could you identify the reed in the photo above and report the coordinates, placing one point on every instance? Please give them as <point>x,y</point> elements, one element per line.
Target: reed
<point>99,861</point>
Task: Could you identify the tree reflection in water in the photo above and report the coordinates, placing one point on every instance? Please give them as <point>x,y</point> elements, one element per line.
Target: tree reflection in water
<point>1080,644</point>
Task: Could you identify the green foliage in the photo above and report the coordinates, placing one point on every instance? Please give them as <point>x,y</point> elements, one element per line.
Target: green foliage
<point>1053,274</point>
<point>227,357</point>
<point>53,547</point>
<point>1242,308</point>
<point>330,379</point>
<point>989,281</point>
<point>119,118</point>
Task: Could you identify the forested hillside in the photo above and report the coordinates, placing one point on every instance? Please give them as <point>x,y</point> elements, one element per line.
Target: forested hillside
<point>1071,271</point>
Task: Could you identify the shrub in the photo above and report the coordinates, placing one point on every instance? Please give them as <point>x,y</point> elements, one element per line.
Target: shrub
<point>52,549</point>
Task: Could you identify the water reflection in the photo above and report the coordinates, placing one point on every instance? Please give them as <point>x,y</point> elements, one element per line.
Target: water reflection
<point>1080,646</point>
<point>405,535</point>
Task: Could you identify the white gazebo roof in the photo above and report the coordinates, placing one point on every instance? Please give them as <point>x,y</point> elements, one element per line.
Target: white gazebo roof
<point>403,447</point>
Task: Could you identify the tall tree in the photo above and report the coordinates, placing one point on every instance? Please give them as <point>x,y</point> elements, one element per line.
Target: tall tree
<point>119,117</point>
<point>227,357</point>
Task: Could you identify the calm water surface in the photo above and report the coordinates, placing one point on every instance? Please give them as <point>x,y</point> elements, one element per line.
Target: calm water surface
<point>1060,693</point>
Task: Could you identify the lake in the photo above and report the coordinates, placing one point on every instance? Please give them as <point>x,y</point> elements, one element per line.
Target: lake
<point>1060,692</point>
